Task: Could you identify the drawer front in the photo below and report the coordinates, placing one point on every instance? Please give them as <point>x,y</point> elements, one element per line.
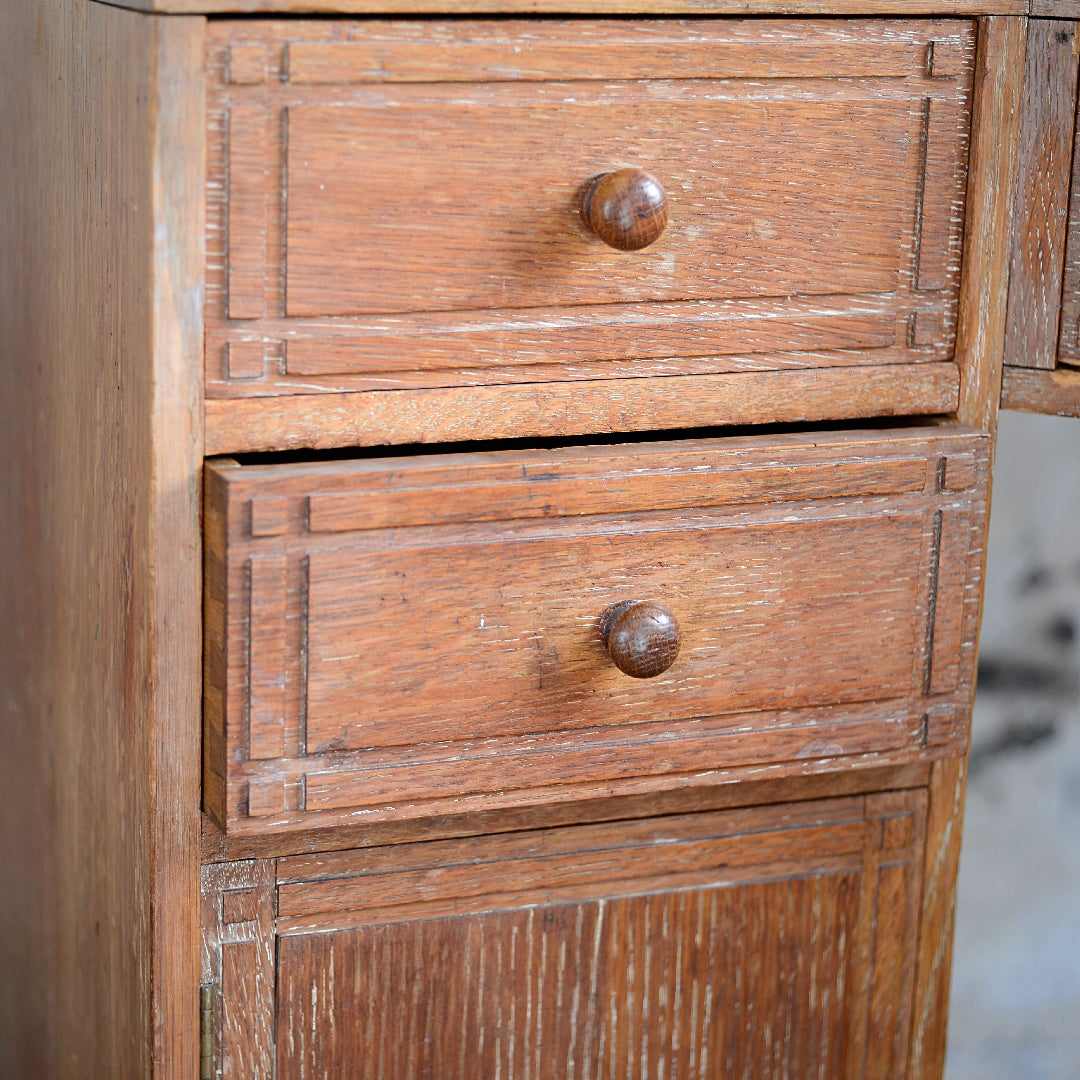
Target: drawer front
<point>1042,357</point>
<point>630,949</point>
<point>399,638</point>
<point>395,206</point>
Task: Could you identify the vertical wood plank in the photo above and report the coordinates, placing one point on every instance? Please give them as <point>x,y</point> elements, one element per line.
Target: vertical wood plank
<point>995,139</point>
<point>883,957</point>
<point>934,961</point>
<point>176,431</point>
<point>1069,336</point>
<point>1037,259</point>
<point>238,963</point>
<point>899,824</point>
<point>100,410</point>
<point>980,348</point>
<point>216,661</point>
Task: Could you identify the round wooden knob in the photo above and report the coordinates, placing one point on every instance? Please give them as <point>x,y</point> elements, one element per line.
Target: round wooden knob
<point>642,638</point>
<point>626,209</point>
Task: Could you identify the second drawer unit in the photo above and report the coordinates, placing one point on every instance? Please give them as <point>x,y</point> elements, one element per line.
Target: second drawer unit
<point>393,638</point>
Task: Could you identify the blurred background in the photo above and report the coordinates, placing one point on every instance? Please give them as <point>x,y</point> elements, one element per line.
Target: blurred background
<point>1015,1007</point>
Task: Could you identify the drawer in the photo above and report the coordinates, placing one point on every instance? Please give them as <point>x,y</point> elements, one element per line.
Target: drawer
<point>1042,354</point>
<point>393,215</point>
<point>639,948</point>
<point>395,638</point>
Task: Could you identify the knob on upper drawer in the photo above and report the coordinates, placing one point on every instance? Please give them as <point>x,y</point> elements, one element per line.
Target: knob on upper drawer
<point>641,637</point>
<point>627,209</point>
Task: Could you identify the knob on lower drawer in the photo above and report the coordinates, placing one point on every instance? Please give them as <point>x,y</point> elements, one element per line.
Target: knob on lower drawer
<point>641,637</point>
<point>627,209</point>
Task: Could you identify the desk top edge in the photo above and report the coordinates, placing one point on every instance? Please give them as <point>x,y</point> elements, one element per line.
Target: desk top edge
<point>603,7</point>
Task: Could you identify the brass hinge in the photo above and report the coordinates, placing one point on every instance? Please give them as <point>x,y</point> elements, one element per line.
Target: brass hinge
<point>206,1033</point>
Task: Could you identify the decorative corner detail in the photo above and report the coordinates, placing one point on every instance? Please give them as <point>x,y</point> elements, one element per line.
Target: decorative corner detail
<point>959,472</point>
<point>269,516</point>
<point>897,831</point>
<point>245,360</point>
<point>941,725</point>
<point>944,58</point>
<point>926,328</point>
<point>247,65</point>
<point>266,798</point>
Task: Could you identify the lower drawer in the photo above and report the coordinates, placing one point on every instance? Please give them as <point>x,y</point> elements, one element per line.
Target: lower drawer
<point>407,637</point>
<point>395,250</point>
<point>767,942</point>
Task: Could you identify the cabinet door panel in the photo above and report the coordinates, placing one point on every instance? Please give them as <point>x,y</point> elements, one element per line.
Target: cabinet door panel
<point>658,984</point>
<point>766,942</point>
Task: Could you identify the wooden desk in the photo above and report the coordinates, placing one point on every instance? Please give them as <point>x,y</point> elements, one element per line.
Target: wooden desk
<point>181,281</point>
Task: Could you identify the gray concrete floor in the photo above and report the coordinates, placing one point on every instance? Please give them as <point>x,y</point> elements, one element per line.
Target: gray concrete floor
<point>1015,1011</point>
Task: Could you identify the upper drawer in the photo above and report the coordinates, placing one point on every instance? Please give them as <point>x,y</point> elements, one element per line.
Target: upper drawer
<point>408,637</point>
<point>396,206</point>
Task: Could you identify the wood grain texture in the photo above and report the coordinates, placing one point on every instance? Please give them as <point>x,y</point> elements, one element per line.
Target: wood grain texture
<point>630,985</point>
<point>767,786</point>
<point>1040,216</point>
<point>980,349</point>
<point>177,275</point>
<point>102,182</point>
<point>647,945</point>
<point>1069,339</point>
<point>930,1014</point>
<point>405,574</point>
<point>995,155</point>
<point>101,177</point>
<point>602,7</point>
<point>1055,9</point>
<point>384,260</point>
<point>1054,392</point>
<point>326,421</point>
<point>550,51</point>
<point>435,230</point>
<point>238,910</point>
<point>250,204</point>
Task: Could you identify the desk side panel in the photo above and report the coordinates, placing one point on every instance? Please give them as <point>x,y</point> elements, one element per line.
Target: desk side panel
<point>99,435</point>
<point>980,348</point>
